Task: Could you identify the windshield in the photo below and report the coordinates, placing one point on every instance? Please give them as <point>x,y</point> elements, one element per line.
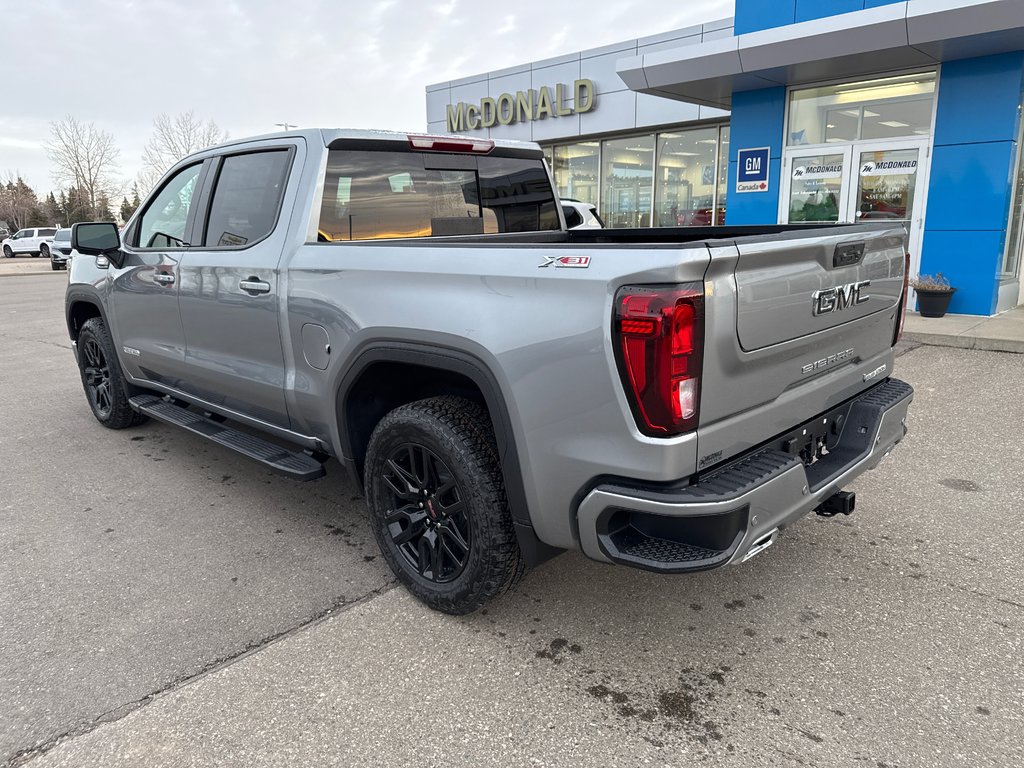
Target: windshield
<point>62,235</point>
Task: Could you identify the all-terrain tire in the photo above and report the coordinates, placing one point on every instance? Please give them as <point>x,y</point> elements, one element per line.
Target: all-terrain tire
<point>104,383</point>
<point>479,558</point>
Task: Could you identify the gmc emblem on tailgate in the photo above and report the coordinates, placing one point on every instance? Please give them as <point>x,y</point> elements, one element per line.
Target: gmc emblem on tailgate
<point>839,298</point>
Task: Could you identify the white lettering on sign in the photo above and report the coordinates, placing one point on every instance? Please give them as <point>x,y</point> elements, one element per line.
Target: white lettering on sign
<point>753,165</point>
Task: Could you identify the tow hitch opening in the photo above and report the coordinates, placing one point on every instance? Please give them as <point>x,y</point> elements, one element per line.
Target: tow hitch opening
<point>841,502</point>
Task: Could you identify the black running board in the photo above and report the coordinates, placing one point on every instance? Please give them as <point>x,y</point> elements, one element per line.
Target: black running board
<point>297,465</point>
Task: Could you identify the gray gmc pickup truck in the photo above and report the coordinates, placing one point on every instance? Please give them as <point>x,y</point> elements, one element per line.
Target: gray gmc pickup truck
<point>502,389</point>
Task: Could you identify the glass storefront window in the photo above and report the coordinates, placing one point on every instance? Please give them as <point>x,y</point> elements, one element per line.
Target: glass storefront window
<point>685,178</point>
<point>815,189</point>
<point>685,182</point>
<point>723,173</point>
<point>627,170</point>
<point>576,169</point>
<point>872,109</point>
<point>1014,241</point>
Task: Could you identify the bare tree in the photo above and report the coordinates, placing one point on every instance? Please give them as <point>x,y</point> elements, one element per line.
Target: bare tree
<point>173,138</point>
<point>83,157</point>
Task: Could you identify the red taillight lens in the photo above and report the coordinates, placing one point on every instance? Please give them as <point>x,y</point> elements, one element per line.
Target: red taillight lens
<point>902,308</point>
<point>659,340</point>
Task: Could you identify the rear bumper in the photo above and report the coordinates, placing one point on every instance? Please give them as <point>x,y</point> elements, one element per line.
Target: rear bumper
<point>732,513</point>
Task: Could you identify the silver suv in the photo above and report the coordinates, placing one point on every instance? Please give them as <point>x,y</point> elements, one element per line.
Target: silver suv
<point>34,241</point>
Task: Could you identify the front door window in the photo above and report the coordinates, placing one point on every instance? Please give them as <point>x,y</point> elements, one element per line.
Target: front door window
<point>165,219</point>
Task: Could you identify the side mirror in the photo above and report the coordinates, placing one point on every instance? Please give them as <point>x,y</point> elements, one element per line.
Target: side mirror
<point>98,239</point>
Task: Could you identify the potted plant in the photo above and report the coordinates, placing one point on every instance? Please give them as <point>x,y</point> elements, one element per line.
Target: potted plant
<point>933,294</point>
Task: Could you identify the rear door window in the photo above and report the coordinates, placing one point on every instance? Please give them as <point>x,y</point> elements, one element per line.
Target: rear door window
<point>247,198</point>
<point>384,194</point>
<point>47,232</point>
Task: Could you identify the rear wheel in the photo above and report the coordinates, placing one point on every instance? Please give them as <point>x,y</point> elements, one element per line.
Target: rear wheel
<point>437,504</point>
<point>104,383</point>
<point>44,250</point>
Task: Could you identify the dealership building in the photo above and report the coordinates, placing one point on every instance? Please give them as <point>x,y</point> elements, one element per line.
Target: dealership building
<point>793,111</point>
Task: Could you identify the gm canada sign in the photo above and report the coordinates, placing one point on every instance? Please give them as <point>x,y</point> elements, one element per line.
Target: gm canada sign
<point>752,170</point>
<point>522,106</point>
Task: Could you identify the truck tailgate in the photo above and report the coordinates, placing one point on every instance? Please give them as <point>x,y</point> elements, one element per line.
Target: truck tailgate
<point>796,323</point>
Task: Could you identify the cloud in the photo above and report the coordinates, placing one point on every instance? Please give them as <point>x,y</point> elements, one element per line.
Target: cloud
<point>248,65</point>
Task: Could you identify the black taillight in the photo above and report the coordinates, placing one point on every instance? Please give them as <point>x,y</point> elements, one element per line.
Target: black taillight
<point>659,343</point>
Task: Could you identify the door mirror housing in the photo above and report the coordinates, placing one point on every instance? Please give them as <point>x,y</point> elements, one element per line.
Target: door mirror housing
<point>98,239</point>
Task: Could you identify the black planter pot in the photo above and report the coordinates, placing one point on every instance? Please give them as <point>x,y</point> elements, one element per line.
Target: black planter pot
<point>934,303</point>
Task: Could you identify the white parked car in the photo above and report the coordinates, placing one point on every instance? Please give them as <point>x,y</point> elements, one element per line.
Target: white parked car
<point>580,215</point>
<point>35,241</point>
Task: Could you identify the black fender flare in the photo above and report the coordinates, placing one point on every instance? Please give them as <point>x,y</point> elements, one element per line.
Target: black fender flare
<point>81,295</point>
<point>476,370</point>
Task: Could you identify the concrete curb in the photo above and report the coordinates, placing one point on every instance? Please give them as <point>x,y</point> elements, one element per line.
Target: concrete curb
<point>27,267</point>
<point>1000,333</point>
<point>967,342</point>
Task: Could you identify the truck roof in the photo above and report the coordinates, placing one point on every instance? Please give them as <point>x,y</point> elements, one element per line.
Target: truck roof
<point>329,135</point>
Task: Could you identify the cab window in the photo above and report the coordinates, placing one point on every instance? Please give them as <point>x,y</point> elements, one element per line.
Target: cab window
<point>165,219</point>
<point>370,194</point>
<point>247,198</point>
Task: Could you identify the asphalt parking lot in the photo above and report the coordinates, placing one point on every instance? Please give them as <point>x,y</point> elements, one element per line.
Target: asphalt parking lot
<point>166,603</point>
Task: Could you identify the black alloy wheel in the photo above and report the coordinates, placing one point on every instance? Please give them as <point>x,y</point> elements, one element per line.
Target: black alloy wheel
<point>96,376</point>
<point>8,253</point>
<point>426,516</point>
<point>437,503</point>
<point>104,383</point>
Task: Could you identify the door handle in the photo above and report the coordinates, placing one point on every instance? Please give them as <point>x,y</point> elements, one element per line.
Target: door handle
<point>254,286</point>
<point>164,278</point>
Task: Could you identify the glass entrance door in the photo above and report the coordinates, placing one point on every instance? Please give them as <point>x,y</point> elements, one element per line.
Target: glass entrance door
<point>816,186</point>
<point>889,186</point>
<point>876,181</point>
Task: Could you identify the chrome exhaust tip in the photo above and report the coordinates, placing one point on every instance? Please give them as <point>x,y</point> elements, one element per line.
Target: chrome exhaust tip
<point>761,544</point>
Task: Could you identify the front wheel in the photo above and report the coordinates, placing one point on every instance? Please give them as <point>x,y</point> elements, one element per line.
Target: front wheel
<point>437,504</point>
<point>8,253</point>
<point>104,383</point>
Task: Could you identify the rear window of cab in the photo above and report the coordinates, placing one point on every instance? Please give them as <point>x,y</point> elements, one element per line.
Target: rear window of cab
<point>371,194</point>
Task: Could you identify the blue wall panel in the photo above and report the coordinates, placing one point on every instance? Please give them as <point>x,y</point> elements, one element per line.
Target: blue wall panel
<point>973,160</point>
<point>756,121</point>
<point>970,186</point>
<point>816,9</point>
<point>754,207</point>
<point>978,99</point>
<point>754,15</point>
<point>970,259</point>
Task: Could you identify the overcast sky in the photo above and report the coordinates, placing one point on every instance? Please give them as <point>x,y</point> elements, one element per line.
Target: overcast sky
<point>249,64</point>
